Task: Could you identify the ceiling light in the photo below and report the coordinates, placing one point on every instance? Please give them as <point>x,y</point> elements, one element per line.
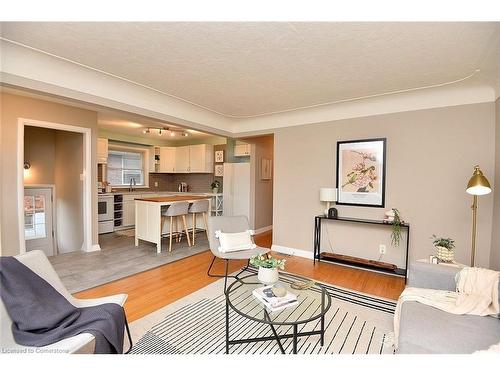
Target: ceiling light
<point>145,131</point>
<point>159,131</point>
<point>184,134</point>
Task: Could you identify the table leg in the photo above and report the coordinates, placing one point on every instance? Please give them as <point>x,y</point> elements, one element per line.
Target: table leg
<point>295,329</point>
<point>322,339</point>
<point>266,314</point>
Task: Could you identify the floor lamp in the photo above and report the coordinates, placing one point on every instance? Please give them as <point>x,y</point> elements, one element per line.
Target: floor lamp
<point>478,185</point>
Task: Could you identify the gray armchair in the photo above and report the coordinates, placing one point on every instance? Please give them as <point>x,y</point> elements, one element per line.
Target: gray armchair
<point>427,330</point>
<point>229,224</point>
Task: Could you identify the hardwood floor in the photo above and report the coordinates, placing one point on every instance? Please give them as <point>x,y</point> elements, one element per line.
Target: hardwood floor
<point>150,290</point>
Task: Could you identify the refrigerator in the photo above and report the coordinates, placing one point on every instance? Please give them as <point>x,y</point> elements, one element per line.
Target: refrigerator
<point>236,189</point>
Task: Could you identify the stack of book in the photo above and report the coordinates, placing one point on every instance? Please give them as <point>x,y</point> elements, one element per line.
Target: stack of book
<point>274,303</point>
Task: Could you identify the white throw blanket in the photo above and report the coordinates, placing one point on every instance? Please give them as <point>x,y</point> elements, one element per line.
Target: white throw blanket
<point>476,294</point>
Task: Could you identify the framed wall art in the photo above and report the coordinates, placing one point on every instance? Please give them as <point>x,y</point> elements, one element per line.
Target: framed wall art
<point>219,170</point>
<point>265,169</point>
<point>219,156</point>
<point>361,172</point>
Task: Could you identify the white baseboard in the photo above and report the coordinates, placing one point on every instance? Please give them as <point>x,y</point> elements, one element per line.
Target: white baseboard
<point>263,229</point>
<point>95,247</point>
<point>291,251</point>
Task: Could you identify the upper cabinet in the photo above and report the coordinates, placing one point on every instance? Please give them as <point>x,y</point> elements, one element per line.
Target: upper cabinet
<point>167,159</point>
<point>242,150</point>
<point>102,150</point>
<point>201,158</point>
<point>184,159</point>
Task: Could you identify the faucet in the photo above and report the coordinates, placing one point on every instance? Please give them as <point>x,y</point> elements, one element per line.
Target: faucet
<point>130,186</point>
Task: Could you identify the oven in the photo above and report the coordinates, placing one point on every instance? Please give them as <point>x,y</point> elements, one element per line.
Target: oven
<point>105,213</point>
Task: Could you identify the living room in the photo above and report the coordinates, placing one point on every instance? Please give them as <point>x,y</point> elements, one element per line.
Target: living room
<point>367,222</point>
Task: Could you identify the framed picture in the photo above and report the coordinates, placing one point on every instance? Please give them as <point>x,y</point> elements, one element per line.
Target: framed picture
<point>265,169</point>
<point>219,156</point>
<point>219,170</point>
<point>361,172</point>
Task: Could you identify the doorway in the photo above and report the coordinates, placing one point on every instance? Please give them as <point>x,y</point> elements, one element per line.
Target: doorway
<point>39,231</point>
<point>69,164</point>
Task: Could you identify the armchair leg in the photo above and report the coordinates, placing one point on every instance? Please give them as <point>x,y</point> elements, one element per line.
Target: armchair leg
<point>129,336</point>
<point>226,275</point>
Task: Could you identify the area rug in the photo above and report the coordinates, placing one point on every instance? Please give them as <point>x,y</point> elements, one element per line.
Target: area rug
<point>119,258</point>
<point>355,324</point>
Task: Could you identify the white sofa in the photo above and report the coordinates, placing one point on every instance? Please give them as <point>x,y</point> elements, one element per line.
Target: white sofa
<point>82,343</point>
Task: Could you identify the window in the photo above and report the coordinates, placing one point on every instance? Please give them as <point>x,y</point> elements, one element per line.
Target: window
<point>124,166</point>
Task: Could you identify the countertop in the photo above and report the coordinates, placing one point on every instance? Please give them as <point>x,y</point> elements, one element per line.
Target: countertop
<point>149,192</point>
<point>173,198</point>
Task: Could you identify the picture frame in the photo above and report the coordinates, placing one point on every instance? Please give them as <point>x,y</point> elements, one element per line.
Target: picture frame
<point>265,169</point>
<point>219,156</point>
<point>361,172</point>
<point>219,170</point>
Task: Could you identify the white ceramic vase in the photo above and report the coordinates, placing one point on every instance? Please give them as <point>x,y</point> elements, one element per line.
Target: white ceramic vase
<point>268,276</point>
<point>215,190</point>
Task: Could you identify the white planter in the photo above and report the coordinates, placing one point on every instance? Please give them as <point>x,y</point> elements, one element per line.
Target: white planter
<point>268,276</point>
<point>215,190</point>
<point>444,255</point>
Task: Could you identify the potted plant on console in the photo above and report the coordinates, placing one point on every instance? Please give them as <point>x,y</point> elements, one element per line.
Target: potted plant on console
<point>444,248</point>
<point>215,186</point>
<point>268,267</point>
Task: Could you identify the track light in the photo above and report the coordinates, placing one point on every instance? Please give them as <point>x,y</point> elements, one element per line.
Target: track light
<point>184,134</point>
<point>145,131</point>
<point>159,131</point>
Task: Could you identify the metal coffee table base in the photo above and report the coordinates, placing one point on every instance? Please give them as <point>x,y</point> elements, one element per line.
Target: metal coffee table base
<point>295,335</point>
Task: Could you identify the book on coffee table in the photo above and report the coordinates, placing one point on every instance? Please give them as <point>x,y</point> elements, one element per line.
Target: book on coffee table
<point>271,301</point>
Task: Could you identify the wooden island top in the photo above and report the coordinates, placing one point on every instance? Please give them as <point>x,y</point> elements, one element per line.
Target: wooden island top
<point>173,198</point>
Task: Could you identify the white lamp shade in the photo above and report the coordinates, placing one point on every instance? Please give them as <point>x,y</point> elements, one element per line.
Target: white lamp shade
<point>328,195</point>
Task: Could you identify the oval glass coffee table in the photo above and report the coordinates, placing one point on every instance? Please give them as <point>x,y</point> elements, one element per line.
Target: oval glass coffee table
<point>313,304</point>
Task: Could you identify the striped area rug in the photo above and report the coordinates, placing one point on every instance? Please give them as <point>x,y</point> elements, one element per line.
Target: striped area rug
<point>355,324</point>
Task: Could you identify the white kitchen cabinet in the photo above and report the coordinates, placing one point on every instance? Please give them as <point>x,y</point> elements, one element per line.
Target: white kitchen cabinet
<point>102,150</point>
<point>128,217</point>
<point>182,159</point>
<point>201,158</point>
<point>242,150</point>
<point>167,159</point>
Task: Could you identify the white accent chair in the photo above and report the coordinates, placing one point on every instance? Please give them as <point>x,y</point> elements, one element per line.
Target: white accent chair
<point>229,224</point>
<point>83,343</point>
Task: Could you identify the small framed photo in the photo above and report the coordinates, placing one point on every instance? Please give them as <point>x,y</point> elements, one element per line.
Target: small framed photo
<point>219,156</point>
<point>361,172</point>
<point>265,169</point>
<point>219,170</point>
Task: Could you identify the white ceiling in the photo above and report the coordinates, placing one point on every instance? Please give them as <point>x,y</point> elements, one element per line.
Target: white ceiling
<point>250,69</point>
<point>134,126</point>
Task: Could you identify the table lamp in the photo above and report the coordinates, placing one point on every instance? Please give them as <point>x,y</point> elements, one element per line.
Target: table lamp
<point>328,195</point>
<point>478,185</point>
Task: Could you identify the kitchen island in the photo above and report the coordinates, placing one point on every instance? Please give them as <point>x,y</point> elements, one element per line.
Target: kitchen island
<point>148,215</point>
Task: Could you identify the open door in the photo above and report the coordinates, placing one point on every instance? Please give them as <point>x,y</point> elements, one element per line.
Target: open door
<point>38,220</point>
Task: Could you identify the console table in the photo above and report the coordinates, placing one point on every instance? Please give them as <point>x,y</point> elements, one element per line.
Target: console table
<point>318,256</point>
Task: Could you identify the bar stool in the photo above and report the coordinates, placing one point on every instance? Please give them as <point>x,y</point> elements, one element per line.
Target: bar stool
<point>176,209</point>
<point>199,207</point>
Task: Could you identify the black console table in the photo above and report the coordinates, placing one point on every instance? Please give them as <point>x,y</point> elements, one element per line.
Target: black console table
<point>317,243</point>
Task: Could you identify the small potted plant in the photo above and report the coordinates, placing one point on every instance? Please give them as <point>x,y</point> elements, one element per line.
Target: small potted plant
<point>268,267</point>
<point>394,217</point>
<point>215,186</point>
<point>444,248</point>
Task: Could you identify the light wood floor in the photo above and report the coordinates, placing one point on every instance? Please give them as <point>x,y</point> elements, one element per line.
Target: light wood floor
<point>150,290</point>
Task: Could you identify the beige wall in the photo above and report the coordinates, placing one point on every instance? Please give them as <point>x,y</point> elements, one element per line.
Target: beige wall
<point>69,189</point>
<point>39,151</point>
<point>262,190</point>
<point>495,236</point>
<point>14,107</point>
<point>430,157</point>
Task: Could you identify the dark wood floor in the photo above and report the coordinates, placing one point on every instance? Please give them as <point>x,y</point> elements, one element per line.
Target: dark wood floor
<point>150,290</point>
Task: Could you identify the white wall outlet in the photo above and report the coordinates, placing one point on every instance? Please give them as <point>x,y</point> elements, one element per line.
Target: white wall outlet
<point>382,249</point>
<point>156,183</point>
